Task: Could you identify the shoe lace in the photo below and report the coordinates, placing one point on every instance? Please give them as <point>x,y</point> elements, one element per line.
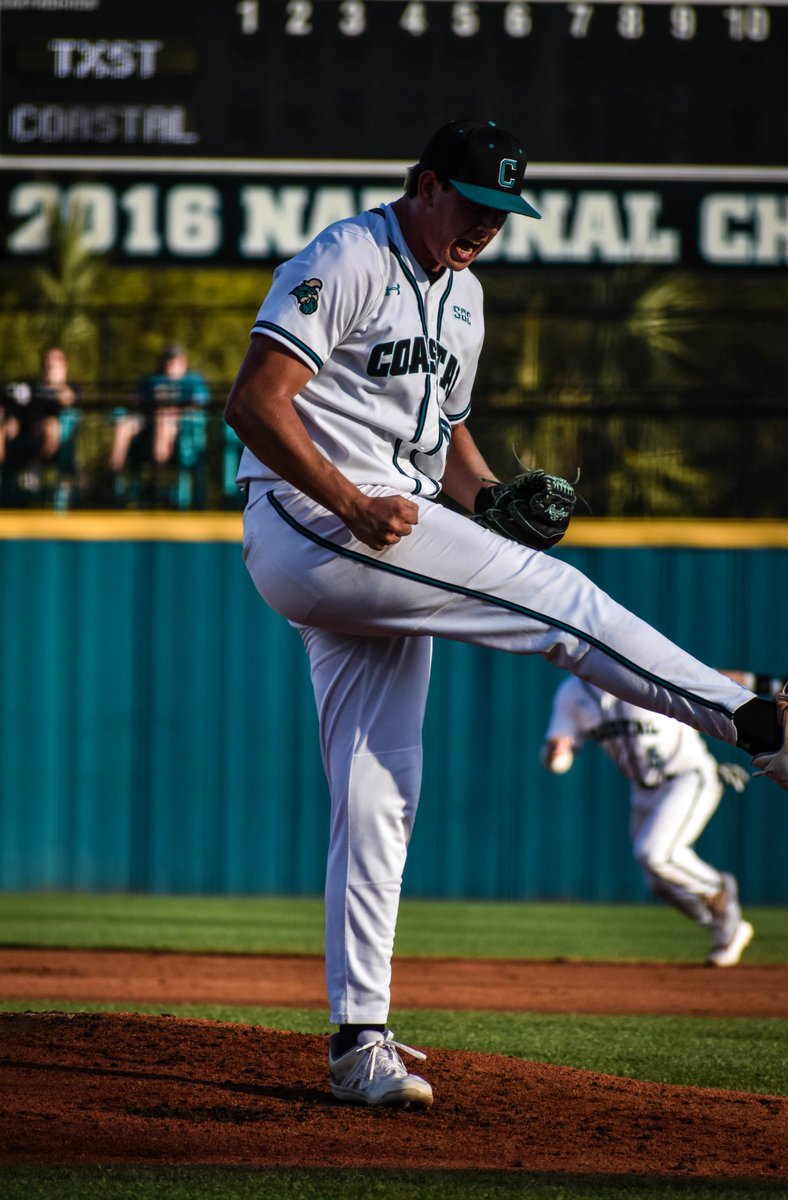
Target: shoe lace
<point>384,1055</point>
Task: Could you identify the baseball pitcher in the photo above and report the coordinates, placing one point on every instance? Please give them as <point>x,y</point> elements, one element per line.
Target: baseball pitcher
<point>352,403</point>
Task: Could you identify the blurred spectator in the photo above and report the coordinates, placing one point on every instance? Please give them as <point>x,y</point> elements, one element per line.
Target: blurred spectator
<point>164,424</point>
<point>37,423</point>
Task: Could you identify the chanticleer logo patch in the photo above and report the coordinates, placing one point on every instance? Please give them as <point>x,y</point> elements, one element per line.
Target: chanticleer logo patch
<point>307,295</point>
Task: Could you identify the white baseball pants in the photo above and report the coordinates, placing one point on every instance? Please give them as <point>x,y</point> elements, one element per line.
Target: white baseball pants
<point>366,618</point>
<point>665,823</point>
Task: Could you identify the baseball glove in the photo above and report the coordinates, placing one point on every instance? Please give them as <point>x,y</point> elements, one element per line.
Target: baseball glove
<point>534,509</point>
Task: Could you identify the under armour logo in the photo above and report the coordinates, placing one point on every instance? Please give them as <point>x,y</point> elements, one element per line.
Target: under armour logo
<point>392,288</point>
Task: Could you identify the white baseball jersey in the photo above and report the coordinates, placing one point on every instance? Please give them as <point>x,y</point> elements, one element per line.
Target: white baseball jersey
<point>647,747</point>
<point>394,354</point>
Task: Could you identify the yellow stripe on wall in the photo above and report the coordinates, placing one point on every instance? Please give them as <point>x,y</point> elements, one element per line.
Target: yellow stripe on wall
<point>679,531</point>
<point>120,526</point>
<point>227,527</point>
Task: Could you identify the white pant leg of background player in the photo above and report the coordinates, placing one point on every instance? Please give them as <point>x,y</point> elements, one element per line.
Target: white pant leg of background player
<point>665,823</point>
<point>371,694</point>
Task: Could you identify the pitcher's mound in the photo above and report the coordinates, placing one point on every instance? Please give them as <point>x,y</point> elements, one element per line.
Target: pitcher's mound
<point>158,1090</point>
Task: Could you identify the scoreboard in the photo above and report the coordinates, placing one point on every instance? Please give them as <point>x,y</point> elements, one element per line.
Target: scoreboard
<point>365,80</point>
<point>599,90</point>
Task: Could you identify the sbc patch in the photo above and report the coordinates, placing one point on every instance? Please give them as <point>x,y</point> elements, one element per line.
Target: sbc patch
<point>307,296</point>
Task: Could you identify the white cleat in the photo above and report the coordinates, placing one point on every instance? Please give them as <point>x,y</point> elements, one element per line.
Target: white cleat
<point>730,933</point>
<point>775,765</point>
<point>725,912</point>
<point>373,1073</point>
<point>728,956</point>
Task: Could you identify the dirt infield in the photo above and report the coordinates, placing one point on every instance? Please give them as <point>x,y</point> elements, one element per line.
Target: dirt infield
<point>499,985</point>
<point>162,1090</point>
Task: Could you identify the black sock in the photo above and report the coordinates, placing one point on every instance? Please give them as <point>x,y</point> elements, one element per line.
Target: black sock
<point>347,1035</point>
<point>758,727</point>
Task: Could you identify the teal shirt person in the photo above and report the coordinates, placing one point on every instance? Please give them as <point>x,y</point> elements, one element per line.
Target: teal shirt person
<point>166,414</point>
<point>168,389</point>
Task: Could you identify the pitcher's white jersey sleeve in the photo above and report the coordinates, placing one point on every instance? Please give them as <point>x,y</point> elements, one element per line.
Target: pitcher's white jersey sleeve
<point>319,297</point>
<point>393,353</point>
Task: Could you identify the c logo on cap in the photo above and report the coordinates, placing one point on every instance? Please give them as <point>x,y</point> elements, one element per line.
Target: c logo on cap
<point>507,172</point>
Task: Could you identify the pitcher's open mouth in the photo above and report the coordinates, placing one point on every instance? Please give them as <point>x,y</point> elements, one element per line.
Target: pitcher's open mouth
<point>465,249</point>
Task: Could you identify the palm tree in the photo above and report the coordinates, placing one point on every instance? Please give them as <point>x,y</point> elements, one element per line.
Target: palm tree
<point>604,363</point>
<point>64,282</point>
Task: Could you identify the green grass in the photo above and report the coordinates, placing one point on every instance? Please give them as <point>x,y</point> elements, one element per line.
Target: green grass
<point>142,1183</point>
<point>744,1054</point>
<point>277,925</point>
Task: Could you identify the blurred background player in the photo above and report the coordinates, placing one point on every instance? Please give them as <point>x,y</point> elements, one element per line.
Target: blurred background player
<point>676,786</point>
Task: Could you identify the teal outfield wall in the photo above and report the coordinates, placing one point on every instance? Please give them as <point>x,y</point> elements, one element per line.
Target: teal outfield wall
<point>157,733</point>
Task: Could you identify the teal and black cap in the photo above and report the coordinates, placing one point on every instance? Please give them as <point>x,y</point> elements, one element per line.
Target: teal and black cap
<point>484,163</point>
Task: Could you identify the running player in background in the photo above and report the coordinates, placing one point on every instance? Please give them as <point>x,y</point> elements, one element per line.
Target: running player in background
<point>351,403</point>
<point>675,787</point>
